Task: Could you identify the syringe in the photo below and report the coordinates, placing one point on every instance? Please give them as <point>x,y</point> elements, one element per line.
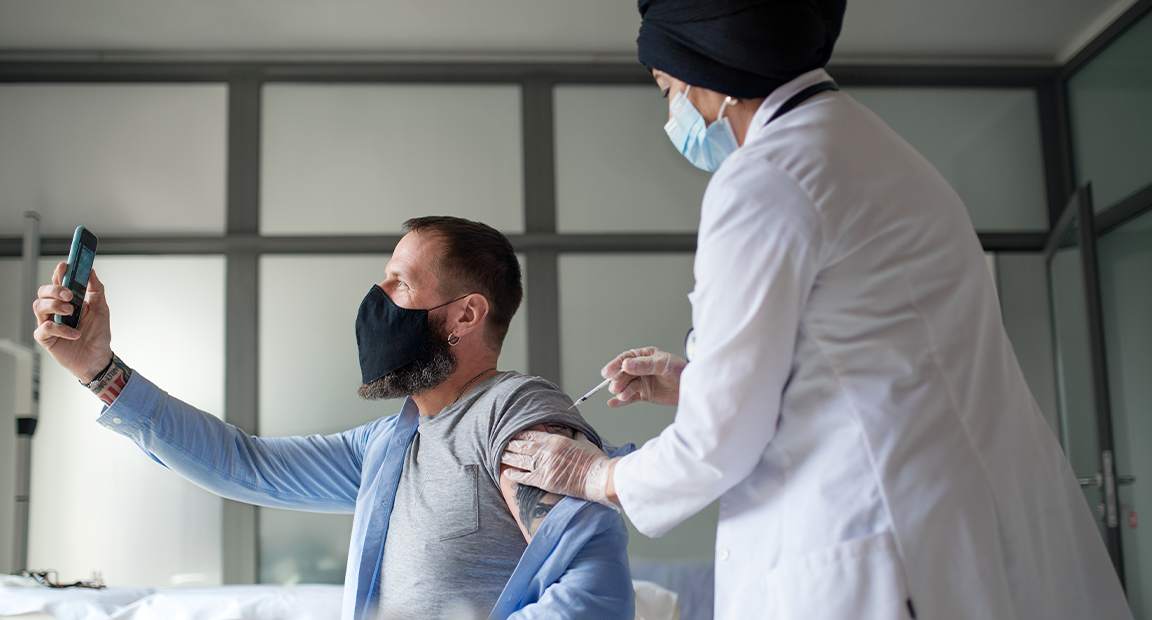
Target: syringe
<point>603,384</point>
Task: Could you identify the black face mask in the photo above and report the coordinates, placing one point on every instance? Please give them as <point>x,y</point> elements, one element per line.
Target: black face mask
<point>388,336</point>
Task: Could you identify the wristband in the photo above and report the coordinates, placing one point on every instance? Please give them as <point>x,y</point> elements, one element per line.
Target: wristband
<point>111,381</point>
<point>99,375</point>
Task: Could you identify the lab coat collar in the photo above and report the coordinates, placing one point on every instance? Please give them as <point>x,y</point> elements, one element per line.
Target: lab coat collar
<point>778,97</point>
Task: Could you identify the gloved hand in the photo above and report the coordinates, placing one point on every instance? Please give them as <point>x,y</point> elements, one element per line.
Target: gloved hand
<point>648,375</point>
<point>558,464</point>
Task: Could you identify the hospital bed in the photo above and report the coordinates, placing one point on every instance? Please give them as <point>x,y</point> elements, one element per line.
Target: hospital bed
<point>23,599</point>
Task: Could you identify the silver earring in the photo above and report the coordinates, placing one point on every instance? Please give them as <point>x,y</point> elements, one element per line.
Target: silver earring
<point>452,342</point>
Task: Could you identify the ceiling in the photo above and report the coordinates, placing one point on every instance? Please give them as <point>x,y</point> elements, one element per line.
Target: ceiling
<point>1045,31</point>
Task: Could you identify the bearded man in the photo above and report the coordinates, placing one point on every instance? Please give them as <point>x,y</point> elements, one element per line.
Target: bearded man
<point>438,530</point>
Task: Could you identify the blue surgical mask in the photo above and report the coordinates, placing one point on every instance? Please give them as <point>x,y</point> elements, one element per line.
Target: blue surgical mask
<point>704,145</point>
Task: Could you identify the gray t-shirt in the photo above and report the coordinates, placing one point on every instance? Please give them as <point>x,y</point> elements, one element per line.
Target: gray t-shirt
<point>452,542</point>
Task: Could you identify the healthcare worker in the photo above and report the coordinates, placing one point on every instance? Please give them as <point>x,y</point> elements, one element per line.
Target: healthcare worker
<point>852,398</point>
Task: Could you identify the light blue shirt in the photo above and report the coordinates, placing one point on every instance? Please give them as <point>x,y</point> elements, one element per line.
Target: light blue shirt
<point>575,567</point>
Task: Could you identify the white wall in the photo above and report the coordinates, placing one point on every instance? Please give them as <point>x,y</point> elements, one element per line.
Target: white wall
<point>97,501</point>
<point>119,158</point>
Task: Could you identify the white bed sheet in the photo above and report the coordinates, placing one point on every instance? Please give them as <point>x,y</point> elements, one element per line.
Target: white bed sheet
<point>68,603</point>
<point>262,602</point>
<point>692,580</point>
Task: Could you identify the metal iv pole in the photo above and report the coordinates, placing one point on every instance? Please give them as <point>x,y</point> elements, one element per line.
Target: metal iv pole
<point>26,421</point>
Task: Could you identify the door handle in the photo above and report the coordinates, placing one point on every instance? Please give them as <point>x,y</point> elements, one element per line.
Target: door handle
<point>1098,480</point>
<point>1107,481</point>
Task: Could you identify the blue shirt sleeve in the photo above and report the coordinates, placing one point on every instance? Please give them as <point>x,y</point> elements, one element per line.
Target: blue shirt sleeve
<point>576,566</point>
<point>595,581</point>
<point>315,473</point>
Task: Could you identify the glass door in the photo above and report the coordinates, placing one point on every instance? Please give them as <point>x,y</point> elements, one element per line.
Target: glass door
<point>1081,371</point>
<point>1125,262</point>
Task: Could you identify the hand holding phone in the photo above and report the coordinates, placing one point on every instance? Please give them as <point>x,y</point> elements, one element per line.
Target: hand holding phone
<point>82,353</point>
<point>80,259</point>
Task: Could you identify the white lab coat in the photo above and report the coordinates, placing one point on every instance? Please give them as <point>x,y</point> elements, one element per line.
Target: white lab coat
<point>854,400</point>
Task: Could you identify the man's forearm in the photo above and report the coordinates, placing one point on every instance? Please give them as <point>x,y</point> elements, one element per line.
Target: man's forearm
<point>108,384</point>
<point>319,474</point>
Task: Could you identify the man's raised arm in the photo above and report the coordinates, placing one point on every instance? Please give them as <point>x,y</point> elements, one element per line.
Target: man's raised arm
<point>309,473</point>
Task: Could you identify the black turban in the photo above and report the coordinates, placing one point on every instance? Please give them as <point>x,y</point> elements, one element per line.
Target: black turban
<point>742,48</point>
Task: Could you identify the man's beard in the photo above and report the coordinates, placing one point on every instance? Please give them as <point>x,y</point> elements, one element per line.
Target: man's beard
<point>418,376</point>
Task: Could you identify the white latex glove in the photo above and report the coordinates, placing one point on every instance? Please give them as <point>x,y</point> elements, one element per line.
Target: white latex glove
<point>645,375</point>
<point>558,464</point>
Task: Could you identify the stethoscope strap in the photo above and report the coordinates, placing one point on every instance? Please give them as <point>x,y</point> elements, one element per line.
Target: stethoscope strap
<point>803,96</point>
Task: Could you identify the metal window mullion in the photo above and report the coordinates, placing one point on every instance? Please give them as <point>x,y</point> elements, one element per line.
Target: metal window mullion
<point>539,157</point>
<point>1055,141</point>
<point>1135,205</point>
<point>542,286</point>
<point>240,522</point>
<point>612,243</point>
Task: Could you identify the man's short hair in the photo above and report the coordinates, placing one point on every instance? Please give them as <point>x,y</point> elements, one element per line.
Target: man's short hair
<point>477,259</point>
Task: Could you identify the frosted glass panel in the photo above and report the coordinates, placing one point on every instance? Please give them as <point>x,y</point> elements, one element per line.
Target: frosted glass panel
<point>616,171</point>
<point>11,303</point>
<point>98,502</point>
<point>985,142</point>
<point>15,398</point>
<point>9,385</point>
<point>307,312</point>
<point>1077,409</point>
<point>361,159</point>
<point>1125,262</point>
<point>514,355</point>
<point>1023,289</point>
<point>610,303</point>
<point>122,159</point>
<point>303,547</point>
<point>307,315</point>
<point>1110,103</point>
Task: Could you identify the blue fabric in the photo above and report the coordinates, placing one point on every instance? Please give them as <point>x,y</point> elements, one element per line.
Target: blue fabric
<point>575,567</point>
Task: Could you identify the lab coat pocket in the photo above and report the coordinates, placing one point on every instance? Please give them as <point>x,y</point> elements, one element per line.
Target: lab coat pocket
<point>861,578</point>
<point>454,502</point>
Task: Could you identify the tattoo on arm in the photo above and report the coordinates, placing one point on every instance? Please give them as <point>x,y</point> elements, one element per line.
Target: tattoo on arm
<point>560,429</point>
<point>112,382</point>
<point>532,504</point>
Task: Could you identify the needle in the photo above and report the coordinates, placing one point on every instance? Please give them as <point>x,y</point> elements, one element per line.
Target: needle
<point>603,384</point>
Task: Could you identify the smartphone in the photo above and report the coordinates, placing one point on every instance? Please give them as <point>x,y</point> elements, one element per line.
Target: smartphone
<point>76,276</point>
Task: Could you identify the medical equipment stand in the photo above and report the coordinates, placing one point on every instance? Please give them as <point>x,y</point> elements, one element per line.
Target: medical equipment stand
<point>26,423</point>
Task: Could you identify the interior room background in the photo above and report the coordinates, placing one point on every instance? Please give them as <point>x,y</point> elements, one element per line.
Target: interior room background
<point>244,208</point>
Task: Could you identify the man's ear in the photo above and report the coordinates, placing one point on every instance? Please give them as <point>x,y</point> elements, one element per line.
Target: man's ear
<point>471,316</point>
